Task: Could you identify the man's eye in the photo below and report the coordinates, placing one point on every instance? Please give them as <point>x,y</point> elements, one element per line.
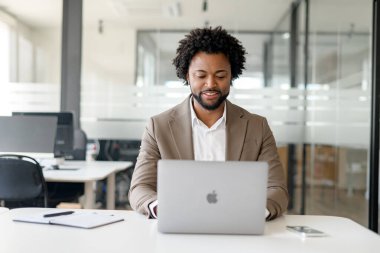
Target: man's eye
<point>223,76</point>
<point>201,76</point>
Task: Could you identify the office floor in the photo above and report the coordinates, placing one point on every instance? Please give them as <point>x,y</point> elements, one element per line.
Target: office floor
<point>325,200</point>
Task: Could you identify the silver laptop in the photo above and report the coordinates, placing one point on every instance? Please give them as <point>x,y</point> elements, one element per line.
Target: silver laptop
<point>211,197</point>
<point>30,135</point>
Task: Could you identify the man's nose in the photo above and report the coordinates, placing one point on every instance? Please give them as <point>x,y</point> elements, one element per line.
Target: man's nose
<point>211,82</point>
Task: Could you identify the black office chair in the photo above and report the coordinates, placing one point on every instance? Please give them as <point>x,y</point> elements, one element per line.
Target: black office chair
<point>22,183</point>
<point>80,145</point>
<point>70,192</point>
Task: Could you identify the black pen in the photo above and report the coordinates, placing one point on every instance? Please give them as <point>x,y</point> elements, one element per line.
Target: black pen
<point>58,214</point>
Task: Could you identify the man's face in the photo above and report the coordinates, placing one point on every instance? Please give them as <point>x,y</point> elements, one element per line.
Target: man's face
<point>209,77</point>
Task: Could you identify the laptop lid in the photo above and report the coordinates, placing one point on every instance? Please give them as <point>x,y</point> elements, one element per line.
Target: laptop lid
<point>211,197</point>
<point>29,135</point>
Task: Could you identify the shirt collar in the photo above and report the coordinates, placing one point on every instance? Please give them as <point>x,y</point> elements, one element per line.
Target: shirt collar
<point>196,121</point>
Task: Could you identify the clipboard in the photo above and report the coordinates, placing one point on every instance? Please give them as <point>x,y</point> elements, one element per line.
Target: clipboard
<point>78,219</point>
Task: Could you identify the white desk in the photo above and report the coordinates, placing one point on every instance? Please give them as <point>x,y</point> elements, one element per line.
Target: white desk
<point>3,210</point>
<point>138,234</point>
<point>89,173</point>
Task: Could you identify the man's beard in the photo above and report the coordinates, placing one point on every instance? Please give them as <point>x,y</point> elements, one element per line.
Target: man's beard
<point>213,106</point>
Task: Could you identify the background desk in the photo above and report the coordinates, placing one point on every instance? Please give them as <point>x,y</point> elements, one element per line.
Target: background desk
<point>138,234</point>
<point>89,172</point>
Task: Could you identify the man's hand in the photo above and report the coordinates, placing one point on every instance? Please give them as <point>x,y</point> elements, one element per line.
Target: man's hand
<point>153,209</point>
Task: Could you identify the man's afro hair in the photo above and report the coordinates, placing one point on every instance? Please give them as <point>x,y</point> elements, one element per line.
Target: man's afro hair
<point>211,41</point>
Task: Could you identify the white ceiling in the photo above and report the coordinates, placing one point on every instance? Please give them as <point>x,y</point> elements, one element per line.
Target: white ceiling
<point>154,14</point>
<point>34,13</point>
<point>232,14</point>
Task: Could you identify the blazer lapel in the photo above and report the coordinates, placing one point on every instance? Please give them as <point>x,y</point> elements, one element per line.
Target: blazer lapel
<point>181,131</point>
<point>236,129</point>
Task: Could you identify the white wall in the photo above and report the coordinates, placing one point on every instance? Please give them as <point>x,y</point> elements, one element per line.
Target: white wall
<point>34,52</point>
<point>47,55</point>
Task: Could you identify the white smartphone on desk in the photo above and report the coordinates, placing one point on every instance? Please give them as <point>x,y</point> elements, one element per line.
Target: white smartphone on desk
<point>306,231</point>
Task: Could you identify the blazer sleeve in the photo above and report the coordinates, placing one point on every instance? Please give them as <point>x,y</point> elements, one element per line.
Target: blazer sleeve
<point>277,193</point>
<point>143,189</point>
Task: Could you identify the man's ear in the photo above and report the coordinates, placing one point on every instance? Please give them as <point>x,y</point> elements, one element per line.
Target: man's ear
<point>187,78</point>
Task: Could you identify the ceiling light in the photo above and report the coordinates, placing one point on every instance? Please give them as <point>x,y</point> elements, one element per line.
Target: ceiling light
<point>205,5</point>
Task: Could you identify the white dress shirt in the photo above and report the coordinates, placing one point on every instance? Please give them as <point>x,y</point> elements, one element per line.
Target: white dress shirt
<point>209,143</point>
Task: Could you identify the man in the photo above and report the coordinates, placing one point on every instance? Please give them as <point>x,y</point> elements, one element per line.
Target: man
<point>206,126</point>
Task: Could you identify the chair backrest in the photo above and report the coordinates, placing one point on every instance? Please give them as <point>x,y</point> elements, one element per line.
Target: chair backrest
<point>21,179</point>
<point>80,145</point>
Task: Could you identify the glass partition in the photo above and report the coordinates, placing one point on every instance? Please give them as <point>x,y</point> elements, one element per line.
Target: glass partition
<point>338,109</point>
<point>279,42</point>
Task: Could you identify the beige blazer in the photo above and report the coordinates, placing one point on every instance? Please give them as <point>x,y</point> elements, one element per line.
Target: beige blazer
<point>169,136</point>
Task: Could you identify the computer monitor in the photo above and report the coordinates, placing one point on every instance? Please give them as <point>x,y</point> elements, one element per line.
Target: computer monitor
<point>65,131</point>
<point>28,135</point>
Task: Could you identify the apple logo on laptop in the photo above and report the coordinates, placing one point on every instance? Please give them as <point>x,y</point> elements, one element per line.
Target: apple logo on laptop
<point>211,197</point>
